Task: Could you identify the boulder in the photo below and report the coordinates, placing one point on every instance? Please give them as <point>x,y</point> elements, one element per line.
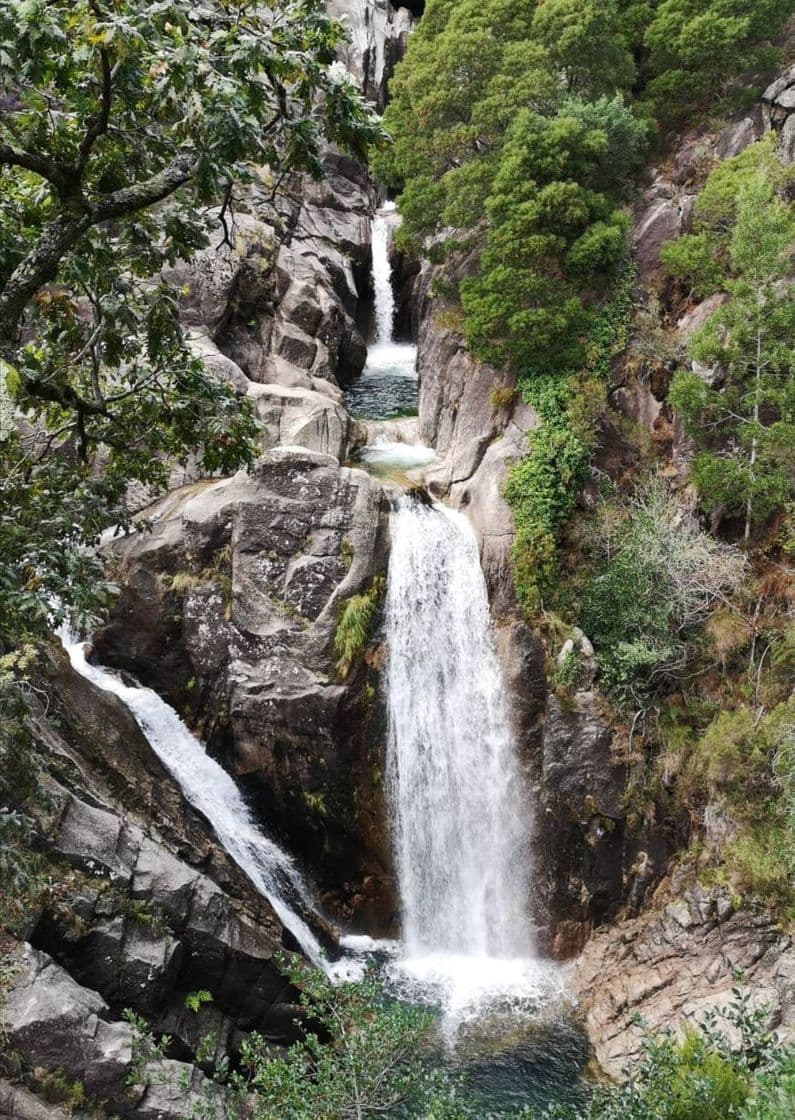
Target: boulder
<point>300,417</point>
<point>59,1025</point>
<point>18,1103</point>
<point>675,962</point>
<point>662,215</point>
<point>229,609</point>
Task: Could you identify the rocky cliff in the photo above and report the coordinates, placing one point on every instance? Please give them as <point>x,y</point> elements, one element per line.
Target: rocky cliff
<point>228,607</point>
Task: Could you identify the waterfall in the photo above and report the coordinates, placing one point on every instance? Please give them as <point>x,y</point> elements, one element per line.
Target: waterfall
<point>387,387</point>
<point>384,297</point>
<point>460,815</point>
<point>209,788</point>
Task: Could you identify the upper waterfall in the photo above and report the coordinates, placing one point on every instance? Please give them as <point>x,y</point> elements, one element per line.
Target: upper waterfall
<point>383,295</point>
<point>460,815</point>
<point>387,386</point>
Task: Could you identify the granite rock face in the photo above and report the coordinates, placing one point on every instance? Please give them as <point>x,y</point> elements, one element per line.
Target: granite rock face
<point>59,1024</point>
<point>378,31</point>
<point>674,963</point>
<point>229,609</point>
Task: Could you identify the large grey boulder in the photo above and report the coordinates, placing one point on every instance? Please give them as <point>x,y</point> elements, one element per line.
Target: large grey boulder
<point>300,417</point>
<point>229,609</point>
<point>59,1025</point>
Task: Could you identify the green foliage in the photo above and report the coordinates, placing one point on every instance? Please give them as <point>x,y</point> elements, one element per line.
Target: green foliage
<point>194,1001</point>
<point>714,1073</point>
<point>745,424</point>
<point>355,626</point>
<point>692,258</point>
<point>365,1060</point>
<point>585,42</point>
<point>653,581</point>
<point>542,488</point>
<point>513,125</point>
<point>19,769</point>
<point>125,126</point>
<point>554,234</point>
<point>24,882</point>
<point>694,44</point>
<point>746,763</point>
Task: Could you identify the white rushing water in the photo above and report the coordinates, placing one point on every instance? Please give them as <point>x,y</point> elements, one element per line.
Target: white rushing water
<point>388,384</point>
<point>209,788</point>
<point>460,812</point>
<point>383,225</point>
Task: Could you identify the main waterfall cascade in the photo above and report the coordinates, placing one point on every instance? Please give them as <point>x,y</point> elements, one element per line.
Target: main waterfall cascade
<point>460,811</point>
<point>461,818</point>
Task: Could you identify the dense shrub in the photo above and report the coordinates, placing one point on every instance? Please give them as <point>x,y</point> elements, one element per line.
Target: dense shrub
<point>653,582</point>
<point>733,1069</point>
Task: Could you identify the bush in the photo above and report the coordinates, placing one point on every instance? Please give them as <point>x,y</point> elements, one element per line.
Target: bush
<point>725,1067</point>
<point>355,626</point>
<point>648,592</point>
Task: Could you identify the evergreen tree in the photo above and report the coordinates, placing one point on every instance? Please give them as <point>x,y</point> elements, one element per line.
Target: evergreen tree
<point>745,423</point>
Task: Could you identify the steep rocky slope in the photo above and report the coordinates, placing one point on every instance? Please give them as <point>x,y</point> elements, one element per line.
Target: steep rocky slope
<point>594,868</point>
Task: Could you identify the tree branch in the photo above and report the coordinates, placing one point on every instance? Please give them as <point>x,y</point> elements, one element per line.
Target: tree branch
<point>39,267</point>
<point>130,199</point>
<point>99,125</point>
<point>11,156</point>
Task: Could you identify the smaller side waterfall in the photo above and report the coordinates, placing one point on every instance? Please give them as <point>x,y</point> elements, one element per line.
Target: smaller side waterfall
<point>461,820</point>
<point>208,787</point>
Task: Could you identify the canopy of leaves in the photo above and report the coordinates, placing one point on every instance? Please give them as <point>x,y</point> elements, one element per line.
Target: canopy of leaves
<point>126,125</point>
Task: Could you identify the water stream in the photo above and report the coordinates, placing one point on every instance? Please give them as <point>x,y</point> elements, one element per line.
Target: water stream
<point>387,386</point>
<point>460,809</point>
<point>212,791</point>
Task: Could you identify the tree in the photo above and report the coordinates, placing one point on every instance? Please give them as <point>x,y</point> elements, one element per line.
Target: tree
<point>694,45</point>
<point>126,127</point>
<point>745,423</point>
<point>585,41</point>
<point>362,1055</point>
<point>555,233</point>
